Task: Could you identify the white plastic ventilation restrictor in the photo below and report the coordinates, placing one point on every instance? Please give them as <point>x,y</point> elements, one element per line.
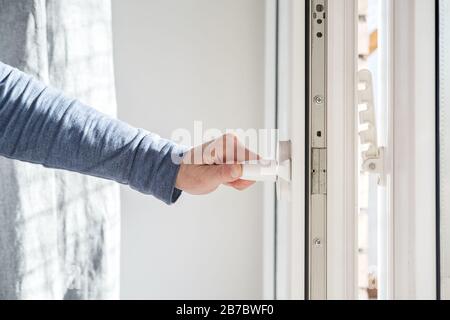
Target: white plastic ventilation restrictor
<point>373,157</point>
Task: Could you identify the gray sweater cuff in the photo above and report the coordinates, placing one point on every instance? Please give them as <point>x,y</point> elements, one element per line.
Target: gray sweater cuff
<point>155,168</point>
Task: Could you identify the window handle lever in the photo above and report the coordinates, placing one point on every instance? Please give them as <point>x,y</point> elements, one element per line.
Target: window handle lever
<point>270,170</point>
<point>267,170</point>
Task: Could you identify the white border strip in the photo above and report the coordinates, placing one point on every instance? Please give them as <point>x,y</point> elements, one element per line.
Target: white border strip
<point>269,123</point>
<point>298,129</point>
<point>342,150</point>
<point>291,216</point>
<point>444,63</point>
<point>414,150</point>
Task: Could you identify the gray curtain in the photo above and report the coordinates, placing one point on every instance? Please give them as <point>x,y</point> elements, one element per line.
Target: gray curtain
<point>59,231</point>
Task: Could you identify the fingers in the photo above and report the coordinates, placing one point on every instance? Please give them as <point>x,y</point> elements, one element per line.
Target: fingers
<point>240,152</point>
<point>233,151</point>
<point>224,150</point>
<point>241,184</point>
<point>204,179</point>
<point>223,174</point>
<point>230,176</point>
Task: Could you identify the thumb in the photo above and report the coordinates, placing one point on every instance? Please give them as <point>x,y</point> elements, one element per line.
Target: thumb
<point>226,173</point>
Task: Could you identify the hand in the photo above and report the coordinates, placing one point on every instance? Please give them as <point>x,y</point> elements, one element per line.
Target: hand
<point>215,163</point>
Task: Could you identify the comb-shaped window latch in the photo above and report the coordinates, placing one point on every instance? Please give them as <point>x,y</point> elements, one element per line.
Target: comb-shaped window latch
<point>276,170</point>
<point>373,157</point>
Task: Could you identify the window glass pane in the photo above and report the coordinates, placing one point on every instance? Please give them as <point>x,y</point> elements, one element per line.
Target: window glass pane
<point>373,222</point>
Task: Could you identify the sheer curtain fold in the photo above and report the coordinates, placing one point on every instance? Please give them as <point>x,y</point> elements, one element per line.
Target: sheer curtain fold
<point>59,231</point>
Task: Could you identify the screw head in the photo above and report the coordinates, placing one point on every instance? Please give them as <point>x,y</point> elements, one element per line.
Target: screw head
<point>317,242</point>
<point>319,100</point>
<point>372,166</point>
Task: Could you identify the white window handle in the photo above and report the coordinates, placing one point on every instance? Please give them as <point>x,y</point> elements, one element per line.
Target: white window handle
<point>271,170</point>
<point>267,170</point>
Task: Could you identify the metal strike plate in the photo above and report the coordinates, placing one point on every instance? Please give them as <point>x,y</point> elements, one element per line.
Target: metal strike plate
<point>319,171</point>
<point>317,240</point>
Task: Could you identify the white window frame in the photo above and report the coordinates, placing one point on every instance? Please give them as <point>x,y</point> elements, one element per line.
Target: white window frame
<point>413,127</point>
<point>284,256</point>
<point>270,117</point>
<point>410,269</point>
<point>342,146</point>
<point>291,98</point>
<point>444,208</point>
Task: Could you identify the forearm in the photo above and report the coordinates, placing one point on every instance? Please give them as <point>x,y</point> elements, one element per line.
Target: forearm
<point>40,125</point>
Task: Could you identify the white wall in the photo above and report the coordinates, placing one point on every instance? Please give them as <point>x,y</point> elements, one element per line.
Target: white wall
<point>178,61</point>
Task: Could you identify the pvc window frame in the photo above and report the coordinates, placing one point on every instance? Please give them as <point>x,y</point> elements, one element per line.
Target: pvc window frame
<point>411,230</point>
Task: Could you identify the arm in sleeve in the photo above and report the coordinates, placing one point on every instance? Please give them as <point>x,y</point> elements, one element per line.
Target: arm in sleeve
<point>40,125</point>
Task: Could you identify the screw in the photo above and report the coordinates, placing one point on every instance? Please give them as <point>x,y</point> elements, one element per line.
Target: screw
<point>318,99</point>
<point>372,166</point>
<point>317,242</point>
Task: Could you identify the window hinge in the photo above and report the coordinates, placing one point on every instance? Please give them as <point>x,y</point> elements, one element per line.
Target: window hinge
<point>373,156</point>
